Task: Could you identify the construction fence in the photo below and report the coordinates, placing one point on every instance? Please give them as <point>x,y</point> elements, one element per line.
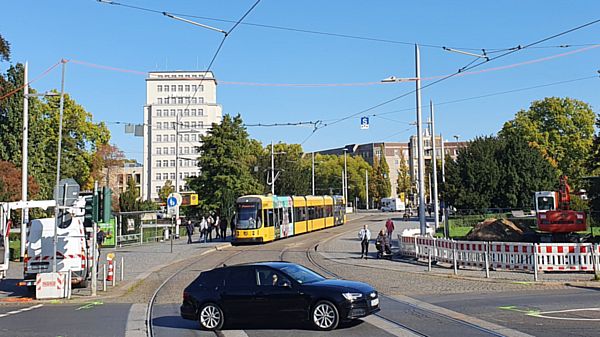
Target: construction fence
<point>511,256</point>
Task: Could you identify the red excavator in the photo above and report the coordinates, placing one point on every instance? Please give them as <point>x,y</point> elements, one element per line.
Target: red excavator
<point>554,212</point>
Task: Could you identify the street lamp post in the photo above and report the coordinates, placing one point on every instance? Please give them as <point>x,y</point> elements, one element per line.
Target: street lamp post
<point>421,159</point>
<point>436,209</point>
<point>313,173</point>
<point>60,122</point>
<point>273,175</point>
<point>345,177</point>
<point>25,155</point>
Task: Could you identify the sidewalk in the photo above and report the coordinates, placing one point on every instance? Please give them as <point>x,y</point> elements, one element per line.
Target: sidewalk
<point>345,250</point>
<point>140,262</point>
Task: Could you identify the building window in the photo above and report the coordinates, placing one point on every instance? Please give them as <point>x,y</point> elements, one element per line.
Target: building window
<point>158,125</point>
<point>186,175</point>
<point>159,88</point>
<point>180,87</point>
<point>200,125</point>
<point>166,100</point>
<point>186,137</point>
<point>158,176</point>
<point>193,112</point>
<point>158,138</point>
<point>172,176</point>
<point>193,125</point>
<point>159,113</point>
<point>187,87</point>
<point>172,163</point>
<point>172,112</point>
<point>193,137</point>
<point>165,163</point>
<point>172,138</point>
<point>173,88</point>
<point>179,100</point>
<point>200,100</point>
<point>172,150</point>
<point>186,125</point>
<point>186,112</point>
<point>200,112</point>
<point>159,101</point>
<point>165,176</point>
<point>186,150</point>
<point>158,150</point>
<point>187,100</point>
<point>158,188</point>
<point>165,150</point>
<point>194,87</point>
<point>158,163</point>
<point>194,100</point>
<point>179,112</point>
<point>166,88</point>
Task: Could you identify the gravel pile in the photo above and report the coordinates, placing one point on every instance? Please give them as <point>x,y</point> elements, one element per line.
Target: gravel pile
<point>499,230</point>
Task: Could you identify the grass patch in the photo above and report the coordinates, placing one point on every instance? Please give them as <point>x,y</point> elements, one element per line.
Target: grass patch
<point>456,232</point>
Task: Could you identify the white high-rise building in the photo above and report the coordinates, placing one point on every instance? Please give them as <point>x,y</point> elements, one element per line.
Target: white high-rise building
<point>180,107</point>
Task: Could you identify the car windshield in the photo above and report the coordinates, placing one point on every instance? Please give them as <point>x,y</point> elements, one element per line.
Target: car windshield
<point>301,274</point>
<point>246,218</point>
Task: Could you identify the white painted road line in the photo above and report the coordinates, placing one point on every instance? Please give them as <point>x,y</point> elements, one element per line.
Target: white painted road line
<point>232,333</point>
<point>388,326</point>
<point>21,310</point>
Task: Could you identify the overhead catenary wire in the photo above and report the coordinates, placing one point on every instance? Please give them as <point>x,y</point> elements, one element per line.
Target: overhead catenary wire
<point>324,33</point>
<point>43,74</point>
<point>461,70</point>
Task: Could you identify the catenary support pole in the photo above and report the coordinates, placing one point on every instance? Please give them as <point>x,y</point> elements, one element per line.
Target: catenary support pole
<point>58,155</point>
<point>94,259</point>
<point>436,207</point>
<point>421,159</point>
<point>313,173</point>
<point>24,180</point>
<point>367,187</point>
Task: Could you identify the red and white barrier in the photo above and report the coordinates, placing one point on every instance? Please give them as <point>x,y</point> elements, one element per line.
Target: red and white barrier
<point>517,256</point>
<point>566,256</point>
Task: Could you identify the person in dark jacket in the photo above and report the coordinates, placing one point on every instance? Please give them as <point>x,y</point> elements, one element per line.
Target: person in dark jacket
<point>232,227</point>
<point>190,231</point>
<point>223,228</point>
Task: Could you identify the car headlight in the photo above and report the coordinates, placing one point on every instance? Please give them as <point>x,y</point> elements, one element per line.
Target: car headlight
<point>352,296</point>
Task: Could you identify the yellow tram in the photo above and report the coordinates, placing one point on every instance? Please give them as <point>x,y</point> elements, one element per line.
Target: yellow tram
<point>264,218</point>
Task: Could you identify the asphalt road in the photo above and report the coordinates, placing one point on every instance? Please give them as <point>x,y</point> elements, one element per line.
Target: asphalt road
<point>537,311</point>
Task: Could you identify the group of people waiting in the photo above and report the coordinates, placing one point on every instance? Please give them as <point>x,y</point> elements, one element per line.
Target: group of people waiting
<point>209,225</point>
<point>382,242</point>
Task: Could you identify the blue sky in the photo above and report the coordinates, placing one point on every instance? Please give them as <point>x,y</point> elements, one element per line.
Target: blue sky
<point>43,32</point>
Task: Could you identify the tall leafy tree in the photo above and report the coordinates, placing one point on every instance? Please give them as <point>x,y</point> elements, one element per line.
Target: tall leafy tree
<point>562,129</point>
<point>164,191</point>
<point>4,49</point>
<point>225,162</point>
<point>10,183</point>
<point>593,166</point>
<point>129,201</point>
<point>403,182</point>
<point>497,172</point>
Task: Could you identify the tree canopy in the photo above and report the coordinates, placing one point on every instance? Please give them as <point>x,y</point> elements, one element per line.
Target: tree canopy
<point>562,129</point>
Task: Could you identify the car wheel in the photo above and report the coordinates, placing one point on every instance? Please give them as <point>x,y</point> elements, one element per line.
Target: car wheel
<point>325,316</point>
<point>211,317</point>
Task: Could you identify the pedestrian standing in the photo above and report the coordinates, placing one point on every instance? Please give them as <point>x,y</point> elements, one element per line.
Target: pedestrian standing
<point>364,235</point>
<point>209,229</point>
<point>232,227</point>
<point>203,229</point>
<point>216,226</point>
<point>223,228</point>
<point>190,231</point>
<point>389,227</point>
<point>100,235</point>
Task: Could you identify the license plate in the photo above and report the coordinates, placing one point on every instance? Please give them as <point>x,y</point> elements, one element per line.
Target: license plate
<point>375,302</point>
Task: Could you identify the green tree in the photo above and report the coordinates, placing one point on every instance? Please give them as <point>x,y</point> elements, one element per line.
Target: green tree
<point>593,183</point>
<point>129,201</point>
<point>294,169</point>
<point>561,129</point>
<point>164,191</point>
<point>81,137</point>
<point>403,182</point>
<point>497,172</point>
<point>4,49</point>
<point>225,162</point>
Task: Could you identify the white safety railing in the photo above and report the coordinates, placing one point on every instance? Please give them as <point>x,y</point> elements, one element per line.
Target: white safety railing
<point>513,256</point>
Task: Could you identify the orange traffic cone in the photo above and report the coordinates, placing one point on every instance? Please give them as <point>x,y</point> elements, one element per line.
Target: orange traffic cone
<point>110,275</point>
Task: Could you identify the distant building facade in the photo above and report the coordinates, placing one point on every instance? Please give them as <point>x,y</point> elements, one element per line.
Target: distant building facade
<point>394,152</point>
<point>181,106</point>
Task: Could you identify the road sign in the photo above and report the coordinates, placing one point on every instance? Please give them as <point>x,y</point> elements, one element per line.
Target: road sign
<point>67,192</point>
<point>171,202</point>
<point>364,123</point>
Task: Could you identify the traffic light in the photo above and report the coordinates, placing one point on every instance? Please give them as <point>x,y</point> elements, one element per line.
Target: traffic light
<point>89,211</point>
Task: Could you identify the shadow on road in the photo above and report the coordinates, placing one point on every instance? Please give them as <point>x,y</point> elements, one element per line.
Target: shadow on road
<point>9,288</point>
<point>175,322</point>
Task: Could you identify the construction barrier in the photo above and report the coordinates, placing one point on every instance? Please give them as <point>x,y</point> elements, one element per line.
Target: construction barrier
<point>513,256</point>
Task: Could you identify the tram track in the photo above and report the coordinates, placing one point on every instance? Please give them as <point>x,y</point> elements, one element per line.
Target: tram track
<point>327,271</point>
<point>151,302</point>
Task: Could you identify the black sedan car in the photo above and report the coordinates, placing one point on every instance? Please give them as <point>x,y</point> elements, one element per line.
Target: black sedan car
<point>270,291</point>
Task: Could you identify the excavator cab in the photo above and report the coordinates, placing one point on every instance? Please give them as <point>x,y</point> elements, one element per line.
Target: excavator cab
<point>560,219</point>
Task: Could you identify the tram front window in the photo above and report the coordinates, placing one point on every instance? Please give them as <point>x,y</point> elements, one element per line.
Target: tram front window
<point>248,217</point>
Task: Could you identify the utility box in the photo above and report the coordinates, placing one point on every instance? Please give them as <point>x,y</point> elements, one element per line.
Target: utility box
<point>52,286</point>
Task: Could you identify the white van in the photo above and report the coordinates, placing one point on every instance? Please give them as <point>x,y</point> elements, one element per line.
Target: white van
<point>72,249</point>
<point>392,205</point>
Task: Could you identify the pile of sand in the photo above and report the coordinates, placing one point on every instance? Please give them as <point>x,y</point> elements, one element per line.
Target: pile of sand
<point>499,230</point>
